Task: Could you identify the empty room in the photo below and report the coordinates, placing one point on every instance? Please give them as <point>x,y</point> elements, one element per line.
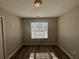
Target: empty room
<point>39,29</point>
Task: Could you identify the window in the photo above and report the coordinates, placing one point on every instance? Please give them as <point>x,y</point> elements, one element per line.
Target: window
<point>39,30</point>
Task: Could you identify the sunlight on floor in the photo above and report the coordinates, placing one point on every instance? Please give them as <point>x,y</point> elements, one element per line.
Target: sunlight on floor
<point>43,56</point>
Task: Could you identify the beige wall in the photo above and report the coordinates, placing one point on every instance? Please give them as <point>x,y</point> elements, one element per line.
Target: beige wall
<point>52,30</point>
<point>12,32</point>
<point>68,32</point>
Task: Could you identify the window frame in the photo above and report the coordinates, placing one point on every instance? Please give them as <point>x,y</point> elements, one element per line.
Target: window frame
<point>40,38</point>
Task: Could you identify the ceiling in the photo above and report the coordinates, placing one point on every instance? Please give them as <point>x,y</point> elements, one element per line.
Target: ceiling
<point>50,8</point>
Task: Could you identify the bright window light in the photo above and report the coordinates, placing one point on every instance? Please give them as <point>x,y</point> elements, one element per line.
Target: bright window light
<point>44,55</point>
<point>39,30</point>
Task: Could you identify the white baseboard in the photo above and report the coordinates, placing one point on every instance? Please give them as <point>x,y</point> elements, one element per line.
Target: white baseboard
<point>14,51</point>
<point>40,44</point>
<point>65,51</point>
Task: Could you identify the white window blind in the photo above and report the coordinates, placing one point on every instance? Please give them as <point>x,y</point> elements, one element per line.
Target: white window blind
<point>39,30</point>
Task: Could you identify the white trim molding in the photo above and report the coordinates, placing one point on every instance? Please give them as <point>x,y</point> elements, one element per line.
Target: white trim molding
<point>15,51</point>
<point>49,43</point>
<point>65,51</point>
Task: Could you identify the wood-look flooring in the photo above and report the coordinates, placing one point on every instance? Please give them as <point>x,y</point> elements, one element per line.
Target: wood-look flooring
<point>25,51</point>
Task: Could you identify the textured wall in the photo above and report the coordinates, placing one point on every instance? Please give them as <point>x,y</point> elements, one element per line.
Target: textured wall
<point>12,31</point>
<point>68,32</point>
<point>52,31</point>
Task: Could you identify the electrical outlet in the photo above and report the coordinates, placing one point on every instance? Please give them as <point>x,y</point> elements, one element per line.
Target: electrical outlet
<point>13,24</point>
<point>74,52</point>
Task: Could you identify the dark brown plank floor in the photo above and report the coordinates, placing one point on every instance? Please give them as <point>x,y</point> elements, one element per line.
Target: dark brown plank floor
<point>24,51</point>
